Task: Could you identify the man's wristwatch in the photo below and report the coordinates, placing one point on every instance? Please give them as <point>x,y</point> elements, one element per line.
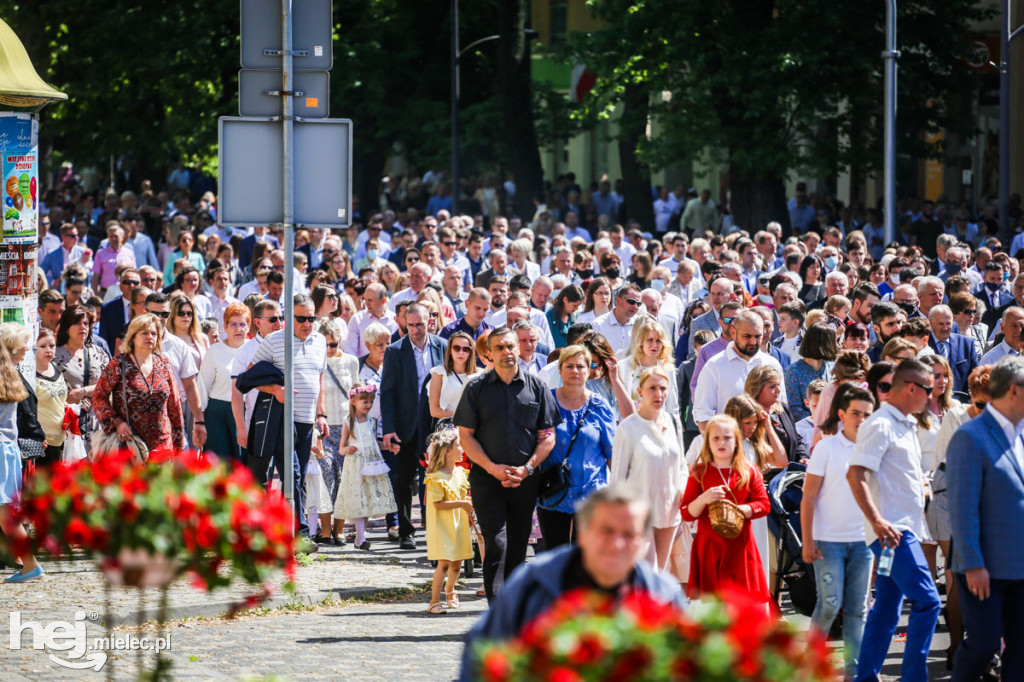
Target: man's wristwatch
<point>321,415</point>
<point>199,423</point>
<point>530,470</point>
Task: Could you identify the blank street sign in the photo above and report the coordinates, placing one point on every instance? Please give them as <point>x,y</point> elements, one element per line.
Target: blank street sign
<point>254,83</point>
<point>251,160</point>
<point>311,31</point>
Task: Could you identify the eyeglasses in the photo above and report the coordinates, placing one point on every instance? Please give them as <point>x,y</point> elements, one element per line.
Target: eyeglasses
<point>131,282</point>
<point>238,325</point>
<point>272,320</point>
<point>728,320</point>
<point>185,313</point>
<point>333,297</point>
<point>332,345</point>
<point>981,404</point>
<point>927,389</point>
<point>412,260</point>
<point>972,311</point>
<point>149,279</point>
<point>305,319</point>
<point>460,349</point>
<point>162,314</point>
<point>449,243</point>
<point>373,228</point>
<point>884,386</point>
<point>633,301</point>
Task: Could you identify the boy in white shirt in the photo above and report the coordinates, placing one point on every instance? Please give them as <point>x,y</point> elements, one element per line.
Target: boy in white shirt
<point>791,321</point>
<point>832,535</point>
<point>805,427</point>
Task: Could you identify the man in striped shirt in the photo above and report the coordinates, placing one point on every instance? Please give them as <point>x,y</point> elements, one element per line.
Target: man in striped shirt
<point>309,408</point>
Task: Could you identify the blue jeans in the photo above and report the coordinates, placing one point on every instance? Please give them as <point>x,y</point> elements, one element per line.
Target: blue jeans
<point>910,578</point>
<point>843,576</point>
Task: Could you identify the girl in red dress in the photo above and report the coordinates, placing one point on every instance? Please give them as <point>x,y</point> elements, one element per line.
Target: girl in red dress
<point>722,472</point>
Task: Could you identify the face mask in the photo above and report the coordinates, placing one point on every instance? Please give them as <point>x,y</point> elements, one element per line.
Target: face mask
<point>993,286</point>
<point>953,268</point>
<point>766,299</point>
<point>831,262</point>
<point>908,308</point>
<point>894,278</point>
<point>1006,276</point>
<point>658,284</point>
<point>555,293</point>
<point>372,254</point>
<point>613,273</point>
<point>584,273</point>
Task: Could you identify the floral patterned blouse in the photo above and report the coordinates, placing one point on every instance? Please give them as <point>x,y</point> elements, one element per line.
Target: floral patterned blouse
<point>154,412</point>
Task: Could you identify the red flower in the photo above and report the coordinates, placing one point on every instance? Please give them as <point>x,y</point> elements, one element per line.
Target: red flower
<point>588,650</point>
<point>495,666</point>
<point>78,533</point>
<point>650,614</point>
<point>561,674</point>
<point>206,532</point>
<point>632,664</point>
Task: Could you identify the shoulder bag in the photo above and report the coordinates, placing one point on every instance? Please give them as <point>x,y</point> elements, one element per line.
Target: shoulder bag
<point>556,480</point>
<point>104,443</point>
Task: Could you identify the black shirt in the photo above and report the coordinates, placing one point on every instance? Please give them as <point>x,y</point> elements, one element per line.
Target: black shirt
<point>576,577</point>
<point>506,417</point>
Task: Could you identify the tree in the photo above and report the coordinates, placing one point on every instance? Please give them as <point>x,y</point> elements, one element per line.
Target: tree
<point>772,87</point>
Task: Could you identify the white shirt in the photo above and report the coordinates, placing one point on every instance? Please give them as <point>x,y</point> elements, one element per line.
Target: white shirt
<point>887,447</point>
<point>308,365</point>
<point>243,356</point>
<point>618,334</point>
<point>355,343</point>
<point>723,377</point>
<point>215,373</point>
<point>834,516</point>
<point>250,287</point>
<point>998,353</point>
<point>181,358</point>
<point>406,294</point>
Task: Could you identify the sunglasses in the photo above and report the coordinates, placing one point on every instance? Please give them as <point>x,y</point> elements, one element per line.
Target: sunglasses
<point>131,282</point>
<point>272,320</point>
<point>162,314</point>
<point>460,349</point>
<point>633,301</point>
<point>728,320</point>
<point>972,311</point>
<point>449,243</point>
<point>981,405</point>
<point>412,260</point>
<point>305,319</point>
<point>332,345</point>
<point>927,389</point>
<point>185,313</point>
<point>884,386</point>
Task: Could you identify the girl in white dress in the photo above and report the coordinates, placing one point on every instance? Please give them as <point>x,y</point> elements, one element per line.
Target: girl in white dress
<point>648,454</point>
<point>365,490</point>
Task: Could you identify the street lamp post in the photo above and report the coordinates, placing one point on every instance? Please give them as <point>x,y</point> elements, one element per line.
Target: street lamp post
<point>1006,36</point>
<point>890,55</point>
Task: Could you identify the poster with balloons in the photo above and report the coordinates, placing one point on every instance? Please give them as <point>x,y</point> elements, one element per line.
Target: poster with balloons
<point>19,135</point>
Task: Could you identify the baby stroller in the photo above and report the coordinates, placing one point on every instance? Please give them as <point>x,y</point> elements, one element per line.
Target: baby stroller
<point>785,492</point>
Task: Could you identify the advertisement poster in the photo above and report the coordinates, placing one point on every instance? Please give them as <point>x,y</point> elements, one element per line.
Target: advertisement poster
<point>19,139</point>
<point>18,283</point>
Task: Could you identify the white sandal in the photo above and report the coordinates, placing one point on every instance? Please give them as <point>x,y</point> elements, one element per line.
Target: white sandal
<point>435,608</point>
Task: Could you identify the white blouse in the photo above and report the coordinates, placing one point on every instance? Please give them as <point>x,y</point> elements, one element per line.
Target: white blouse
<point>630,371</point>
<point>215,373</point>
<point>651,460</point>
<point>451,387</point>
<point>346,368</point>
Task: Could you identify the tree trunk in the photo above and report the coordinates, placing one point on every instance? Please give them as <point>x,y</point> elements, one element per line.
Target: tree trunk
<point>636,174</point>
<point>367,168</point>
<point>516,102</point>
<point>757,201</point>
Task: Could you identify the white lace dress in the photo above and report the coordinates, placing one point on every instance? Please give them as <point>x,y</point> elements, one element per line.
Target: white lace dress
<point>359,495</point>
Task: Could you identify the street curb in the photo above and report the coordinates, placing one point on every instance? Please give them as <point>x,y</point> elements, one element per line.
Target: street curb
<point>220,608</point>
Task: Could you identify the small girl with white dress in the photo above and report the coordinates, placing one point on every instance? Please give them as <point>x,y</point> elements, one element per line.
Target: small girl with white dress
<point>364,490</point>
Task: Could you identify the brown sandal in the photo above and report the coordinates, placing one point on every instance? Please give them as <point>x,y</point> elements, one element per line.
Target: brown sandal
<point>435,608</point>
<point>453,599</point>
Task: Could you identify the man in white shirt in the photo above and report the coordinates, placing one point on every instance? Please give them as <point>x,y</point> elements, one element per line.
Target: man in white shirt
<point>220,280</point>
<point>617,324</point>
<point>623,249</point>
<point>376,310</point>
<point>258,284</point>
<point>1012,325</point>
<point>888,483</point>
<point>679,246</point>
<point>267,318</point>
<point>725,374</point>
<point>529,336</point>
<point>419,277</point>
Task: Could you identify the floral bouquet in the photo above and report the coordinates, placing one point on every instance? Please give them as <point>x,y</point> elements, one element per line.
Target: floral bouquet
<point>587,635</point>
<point>184,512</point>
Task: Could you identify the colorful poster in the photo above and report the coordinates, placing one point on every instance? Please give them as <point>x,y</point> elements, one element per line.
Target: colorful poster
<point>19,141</point>
<point>18,283</point>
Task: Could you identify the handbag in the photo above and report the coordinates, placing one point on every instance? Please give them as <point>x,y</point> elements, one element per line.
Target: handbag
<point>726,517</point>
<point>105,443</point>
<point>30,449</point>
<point>557,479</point>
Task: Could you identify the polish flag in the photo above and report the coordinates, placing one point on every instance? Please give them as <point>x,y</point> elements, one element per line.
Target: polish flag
<point>583,80</point>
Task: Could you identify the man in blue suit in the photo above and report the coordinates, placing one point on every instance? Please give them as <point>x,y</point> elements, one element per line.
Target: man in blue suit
<point>986,509</point>
<point>70,251</point>
<point>957,349</point>
<point>407,364</point>
<point>114,316</point>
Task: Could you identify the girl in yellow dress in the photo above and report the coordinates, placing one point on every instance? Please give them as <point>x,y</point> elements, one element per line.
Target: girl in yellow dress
<point>448,510</point>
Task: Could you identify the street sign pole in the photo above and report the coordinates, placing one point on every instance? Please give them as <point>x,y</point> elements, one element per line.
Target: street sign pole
<point>287,190</point>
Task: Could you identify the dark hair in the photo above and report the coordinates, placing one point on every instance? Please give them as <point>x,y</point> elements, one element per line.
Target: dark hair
<point>805,265</point>
<point>794,310</point>
<point>863,290</point>
<point>845,393</point>
<point>70,317</point>
<point>320,293</point>
<point>576,331</point>
<point>572,293</point>
<point>595,284</point>
<point>275,277</point>
<point>819,343</point>
<point>48,296</point>
<point>600,350</point>
<point>883,311</point>
<point>856,331</point>
<point>181,276</point>
<point>519,282</point>
<point>909,367</point>
<point>158,297</point>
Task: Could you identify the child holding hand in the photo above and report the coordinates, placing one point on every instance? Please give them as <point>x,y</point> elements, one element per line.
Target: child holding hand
<point>448,510</point>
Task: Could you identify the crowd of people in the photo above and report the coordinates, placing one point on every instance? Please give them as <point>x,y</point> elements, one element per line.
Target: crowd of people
<point>691,364</point>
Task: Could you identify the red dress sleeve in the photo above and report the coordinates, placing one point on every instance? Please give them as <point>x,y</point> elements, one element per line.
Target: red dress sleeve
<point>102,403</point>
<point>692,492</point>
<point>758,500</point>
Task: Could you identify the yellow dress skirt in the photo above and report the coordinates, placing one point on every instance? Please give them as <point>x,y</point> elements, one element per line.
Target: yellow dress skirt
<point>448,529</point>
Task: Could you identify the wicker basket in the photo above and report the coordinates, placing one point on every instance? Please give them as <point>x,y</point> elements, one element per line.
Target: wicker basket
<point>726,518</point>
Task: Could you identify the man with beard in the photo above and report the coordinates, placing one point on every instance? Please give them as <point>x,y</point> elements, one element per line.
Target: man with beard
<point>887,321</point>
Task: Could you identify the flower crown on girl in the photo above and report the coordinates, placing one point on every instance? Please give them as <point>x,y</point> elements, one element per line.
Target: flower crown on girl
<point>367,388</point>
<point>444,437</point>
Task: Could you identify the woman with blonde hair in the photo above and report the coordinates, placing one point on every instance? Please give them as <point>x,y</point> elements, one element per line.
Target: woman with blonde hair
<point>142,378</point>
<point>764,385</point>
<point>446,314</point>
<point>184,324</point>
<point>387,275</point>
<point>647,453</point>
<point>649,347</point>
<point>12,392</point>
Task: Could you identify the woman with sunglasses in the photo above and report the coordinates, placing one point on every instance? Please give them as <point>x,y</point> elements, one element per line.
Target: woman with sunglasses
<point>184,324</point>
<point>188,283</point>
<point>879,380</point>
<point>448,380</point>
<point>341,375</point>
<point>215,382</point>
<point>325,298</point>
<point>937,513</point>
<point>81,363</point>
<point>410,257</point>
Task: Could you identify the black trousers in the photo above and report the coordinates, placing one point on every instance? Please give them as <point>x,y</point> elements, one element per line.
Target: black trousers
<point>558,528</point>
<point>405,482</point>
<point>506,518</point>
<point>303,449</point>
<point>1000,617</point>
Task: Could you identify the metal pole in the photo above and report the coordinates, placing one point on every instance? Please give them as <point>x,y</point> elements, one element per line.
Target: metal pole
<point>456,174</point>
<point>1004,122</point>
<point>890,55</point>
<point>287,189</point>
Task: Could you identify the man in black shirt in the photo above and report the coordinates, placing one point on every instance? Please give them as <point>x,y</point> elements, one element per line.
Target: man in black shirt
<point>506,419</point>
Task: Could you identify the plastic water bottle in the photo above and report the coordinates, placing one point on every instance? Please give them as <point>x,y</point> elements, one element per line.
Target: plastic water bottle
<point>885,561</point>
